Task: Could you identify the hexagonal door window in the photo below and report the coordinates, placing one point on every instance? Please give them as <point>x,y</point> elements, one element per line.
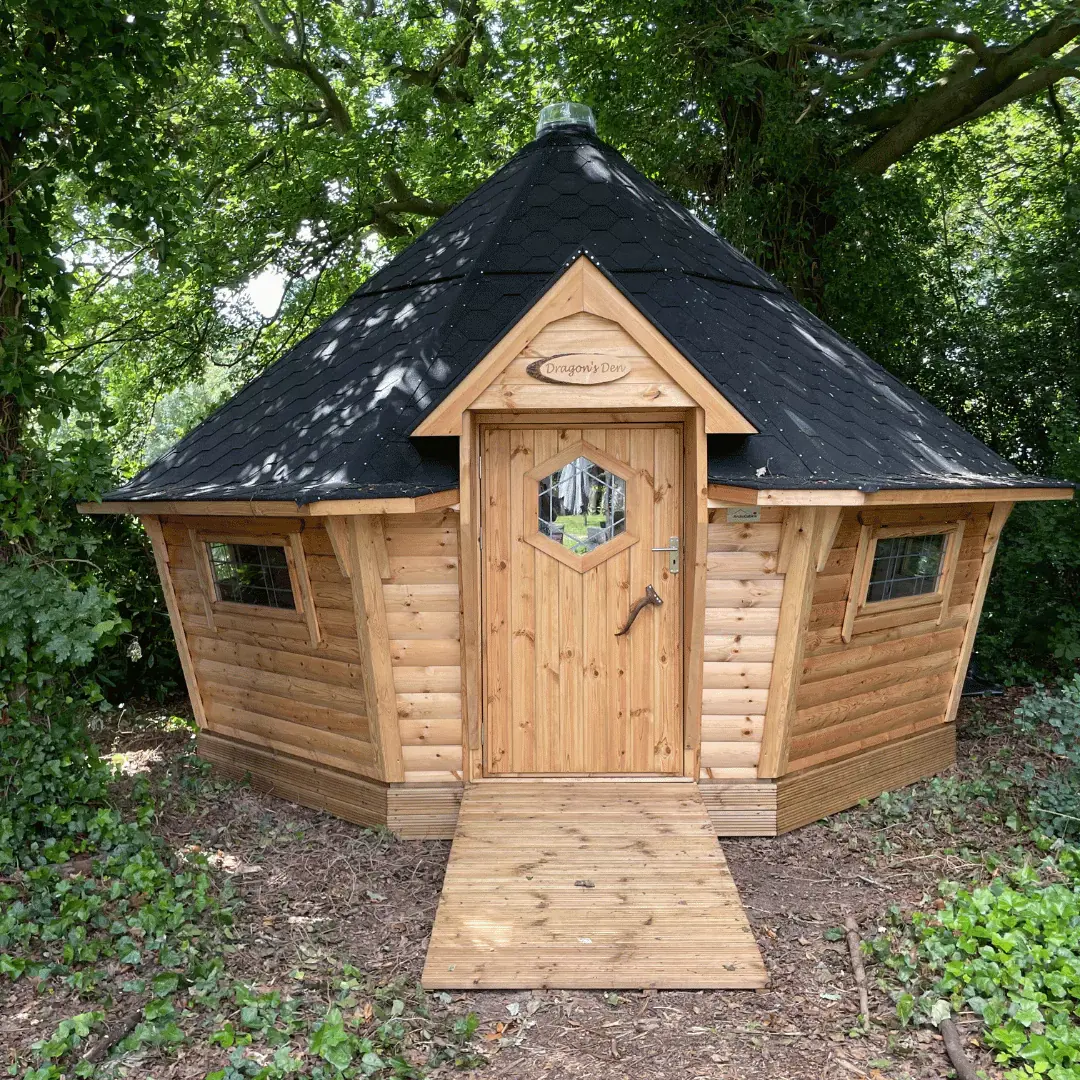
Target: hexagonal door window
<point>582,506</point>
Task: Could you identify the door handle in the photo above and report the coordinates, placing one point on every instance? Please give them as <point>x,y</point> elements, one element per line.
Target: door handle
<point>673,554</point>
<point>650,599</point>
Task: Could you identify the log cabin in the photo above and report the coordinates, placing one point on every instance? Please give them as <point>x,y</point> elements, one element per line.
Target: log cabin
<point>572,507</point>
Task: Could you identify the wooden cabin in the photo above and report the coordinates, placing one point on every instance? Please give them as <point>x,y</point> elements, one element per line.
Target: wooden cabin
<point>571,489</point>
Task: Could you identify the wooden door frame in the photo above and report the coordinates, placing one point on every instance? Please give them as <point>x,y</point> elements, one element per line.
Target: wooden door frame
<point>693,569</point>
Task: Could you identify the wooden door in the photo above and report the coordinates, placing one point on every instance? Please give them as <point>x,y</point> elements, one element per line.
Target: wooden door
<point>570,517</point>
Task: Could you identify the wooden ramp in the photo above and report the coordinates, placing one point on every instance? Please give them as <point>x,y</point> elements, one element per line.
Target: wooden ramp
<point>589,884</point>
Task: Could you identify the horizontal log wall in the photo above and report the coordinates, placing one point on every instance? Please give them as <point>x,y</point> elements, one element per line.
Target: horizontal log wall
<point>893,678</point>
<point>742,608</point>
<point>261,680</point>
<point>423,617</point>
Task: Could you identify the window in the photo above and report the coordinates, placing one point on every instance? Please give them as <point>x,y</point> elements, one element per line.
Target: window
<point>898,568</point>
<point>251,574</point>
<point>582,505</point>
<point>584,502</point>
<point>905,566</point>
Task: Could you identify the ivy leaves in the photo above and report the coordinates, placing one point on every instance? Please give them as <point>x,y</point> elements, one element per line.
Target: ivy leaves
<point>1010,953</point>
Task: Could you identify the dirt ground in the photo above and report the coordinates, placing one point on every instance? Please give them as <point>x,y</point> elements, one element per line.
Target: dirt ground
<point>318,892</point>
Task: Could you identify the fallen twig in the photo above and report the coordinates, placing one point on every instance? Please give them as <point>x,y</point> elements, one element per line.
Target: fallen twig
<point>105,1042</point>
<point>854,944</point>
<point>954,1047</point>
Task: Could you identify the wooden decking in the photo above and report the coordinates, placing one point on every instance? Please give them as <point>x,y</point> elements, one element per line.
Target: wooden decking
<point>601,884</point>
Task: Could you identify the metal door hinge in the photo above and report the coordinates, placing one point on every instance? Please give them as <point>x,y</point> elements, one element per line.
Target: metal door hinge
<point>673,554</point>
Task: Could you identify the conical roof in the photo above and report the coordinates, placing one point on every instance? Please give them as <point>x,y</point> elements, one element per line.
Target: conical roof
<point>332,419</point>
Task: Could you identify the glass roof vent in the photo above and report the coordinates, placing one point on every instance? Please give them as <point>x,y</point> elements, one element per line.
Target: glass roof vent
<point>565,114</point>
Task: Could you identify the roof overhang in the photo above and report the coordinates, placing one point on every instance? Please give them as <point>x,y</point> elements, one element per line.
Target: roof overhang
<point>581,287</point>
<point>437,500</point>
<point>730,494</point>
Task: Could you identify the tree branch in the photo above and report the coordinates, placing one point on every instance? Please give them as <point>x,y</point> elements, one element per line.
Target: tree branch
<point>407,202</point>
<point>456,54</point>
<point>290,59</point>
<point>967,92</point>
<point>1042,78</point>
<point>910,37</point>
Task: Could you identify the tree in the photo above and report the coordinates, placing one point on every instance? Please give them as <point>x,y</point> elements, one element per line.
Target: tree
<point>80,81</point>
<point>843,145</point>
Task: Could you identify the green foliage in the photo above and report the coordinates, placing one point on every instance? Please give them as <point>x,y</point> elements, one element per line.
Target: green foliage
<point>93,904</point>
<point>81,83</point>
<point>1053,717</point>
<point>142,662</point>
<point>53,792</point>
<point>1008,952</point>
<point>49,627</point>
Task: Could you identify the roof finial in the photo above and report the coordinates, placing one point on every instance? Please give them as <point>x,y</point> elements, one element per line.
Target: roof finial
<point>565,114</point>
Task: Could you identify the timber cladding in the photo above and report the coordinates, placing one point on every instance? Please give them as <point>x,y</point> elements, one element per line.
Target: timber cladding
<point>743,591</point>
<point>894,676</point>
<point>260,677</point>
<point>423,622</point>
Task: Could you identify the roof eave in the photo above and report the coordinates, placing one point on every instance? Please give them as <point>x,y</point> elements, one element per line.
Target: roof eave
<point>746,495</point>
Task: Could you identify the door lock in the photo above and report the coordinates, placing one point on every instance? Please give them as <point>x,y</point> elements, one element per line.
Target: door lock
<point>673,555</point>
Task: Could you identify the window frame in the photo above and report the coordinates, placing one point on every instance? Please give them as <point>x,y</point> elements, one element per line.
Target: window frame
<point>531,493</point>
<point>293,545</point>
<point>869,536</point>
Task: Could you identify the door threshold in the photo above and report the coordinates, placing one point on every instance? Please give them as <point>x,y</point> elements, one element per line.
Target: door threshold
<point>585,778</point>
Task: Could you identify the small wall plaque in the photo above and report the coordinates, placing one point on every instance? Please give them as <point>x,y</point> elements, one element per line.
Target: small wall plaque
<point>579,369</point>
<point>737,514</point>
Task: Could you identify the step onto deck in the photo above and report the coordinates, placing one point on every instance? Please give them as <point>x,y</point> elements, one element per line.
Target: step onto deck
<point>589,884</point>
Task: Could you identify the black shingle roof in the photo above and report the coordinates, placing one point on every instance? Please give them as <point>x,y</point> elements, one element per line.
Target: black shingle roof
<point>331,419</point>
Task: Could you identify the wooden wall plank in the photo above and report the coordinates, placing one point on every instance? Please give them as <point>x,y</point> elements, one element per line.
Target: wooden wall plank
<point>990,538</point>
<point>743,592</point>
<point>469,541</point>
<point>374,639</point>
<point>799,556</point>
<point>893,678</point>
<point>161,558</point>
<point>697,539</point>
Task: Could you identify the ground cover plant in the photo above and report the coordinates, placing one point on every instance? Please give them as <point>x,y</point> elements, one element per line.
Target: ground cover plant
<point>1004,944</point>
<point>136,937</point>
<point>1007,950</point>
<point>305,914</point>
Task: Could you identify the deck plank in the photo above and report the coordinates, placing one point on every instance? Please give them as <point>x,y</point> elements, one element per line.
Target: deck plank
<point>662,910</point>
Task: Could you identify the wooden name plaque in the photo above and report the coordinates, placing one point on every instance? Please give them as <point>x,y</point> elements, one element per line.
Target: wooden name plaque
<point>579,369</point>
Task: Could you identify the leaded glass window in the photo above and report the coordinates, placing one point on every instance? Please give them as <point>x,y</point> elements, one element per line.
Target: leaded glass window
<point>582,505</point>
<point>906,566</point>
<point>251,574</point>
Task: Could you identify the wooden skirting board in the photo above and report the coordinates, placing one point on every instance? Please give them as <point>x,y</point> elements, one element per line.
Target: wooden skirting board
<point>569,884</point>
<point>740,807</point>
<point>735,807</point>
<point>352,798</point>
<point>814,793</point>
<point>423,811</point>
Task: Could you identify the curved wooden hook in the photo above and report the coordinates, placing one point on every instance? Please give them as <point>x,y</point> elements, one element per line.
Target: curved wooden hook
<point>650,599</point>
